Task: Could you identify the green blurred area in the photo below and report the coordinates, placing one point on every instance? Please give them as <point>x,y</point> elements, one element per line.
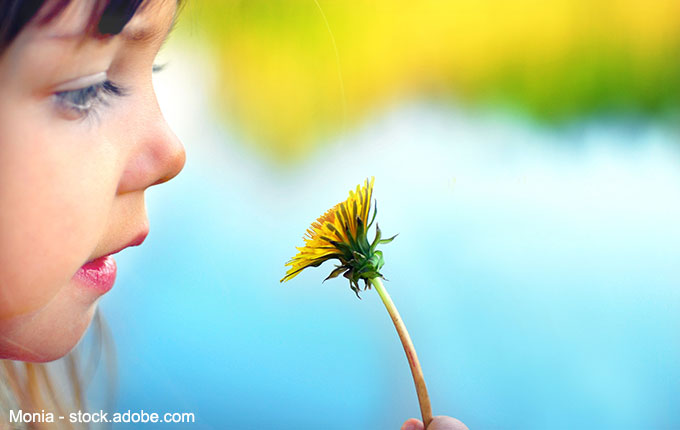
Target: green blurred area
<point>292,72</point>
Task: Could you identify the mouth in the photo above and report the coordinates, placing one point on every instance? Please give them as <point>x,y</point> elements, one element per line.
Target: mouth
<point>100,273</point>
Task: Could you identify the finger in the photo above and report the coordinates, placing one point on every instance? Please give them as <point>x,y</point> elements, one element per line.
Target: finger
<point>446,423</point>
<point>413,424</point>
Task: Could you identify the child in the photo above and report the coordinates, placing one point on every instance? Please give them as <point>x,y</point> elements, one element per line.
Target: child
<point>81,139</point>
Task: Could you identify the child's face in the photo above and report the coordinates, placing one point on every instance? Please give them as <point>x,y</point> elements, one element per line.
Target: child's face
<point>81,138</point>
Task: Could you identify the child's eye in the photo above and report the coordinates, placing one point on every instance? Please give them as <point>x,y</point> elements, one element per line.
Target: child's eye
<point>158,67</point>
<point>83,101</point>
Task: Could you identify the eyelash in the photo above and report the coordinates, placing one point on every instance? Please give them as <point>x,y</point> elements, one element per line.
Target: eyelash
<point>84,101</point>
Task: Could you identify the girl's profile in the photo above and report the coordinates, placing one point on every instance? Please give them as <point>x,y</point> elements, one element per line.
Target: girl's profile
<point>81,140</point>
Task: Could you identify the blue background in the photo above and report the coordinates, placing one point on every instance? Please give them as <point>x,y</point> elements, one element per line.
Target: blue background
<point>536,270</point>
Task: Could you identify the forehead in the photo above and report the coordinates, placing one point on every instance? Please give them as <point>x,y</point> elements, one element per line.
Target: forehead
<point>80,19</point>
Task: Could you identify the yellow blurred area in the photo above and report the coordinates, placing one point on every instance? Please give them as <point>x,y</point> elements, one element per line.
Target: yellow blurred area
<point>292,73</point>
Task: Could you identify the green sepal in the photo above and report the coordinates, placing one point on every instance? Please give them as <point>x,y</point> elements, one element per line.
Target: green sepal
<point>336,272</point>
<point>375,212</point>
<point>378,235</point>
<point>362,242</point>
<point>383,241</point>
<point>332,228</point>
<point>358,256</point>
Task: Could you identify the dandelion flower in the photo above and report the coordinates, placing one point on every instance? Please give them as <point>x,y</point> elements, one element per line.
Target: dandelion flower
<point>341,233</point>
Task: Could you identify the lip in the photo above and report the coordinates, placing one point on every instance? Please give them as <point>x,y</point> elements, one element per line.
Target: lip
<point>100,273</point>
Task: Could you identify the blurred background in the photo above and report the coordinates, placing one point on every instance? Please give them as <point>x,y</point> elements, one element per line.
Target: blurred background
<point>527,154</point>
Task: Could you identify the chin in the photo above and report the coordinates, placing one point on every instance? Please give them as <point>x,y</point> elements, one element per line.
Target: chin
<point>43,336</point>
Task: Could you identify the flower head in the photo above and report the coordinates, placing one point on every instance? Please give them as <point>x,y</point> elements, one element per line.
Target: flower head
<point>341,233</point>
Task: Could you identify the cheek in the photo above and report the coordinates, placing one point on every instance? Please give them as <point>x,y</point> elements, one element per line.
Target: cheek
<point>56,190</point>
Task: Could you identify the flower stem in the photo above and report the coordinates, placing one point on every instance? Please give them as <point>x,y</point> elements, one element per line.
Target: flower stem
<point>409,349</point>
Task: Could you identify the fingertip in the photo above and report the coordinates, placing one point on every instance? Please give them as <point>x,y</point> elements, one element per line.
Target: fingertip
<point>413,424</point>
<point>443,422</point>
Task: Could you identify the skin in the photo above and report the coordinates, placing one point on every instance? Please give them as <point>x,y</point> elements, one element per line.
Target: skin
<point>438,423</point>
<point>72,185</point>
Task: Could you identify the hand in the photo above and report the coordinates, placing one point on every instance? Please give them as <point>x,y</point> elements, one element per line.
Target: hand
<point>438,423</point>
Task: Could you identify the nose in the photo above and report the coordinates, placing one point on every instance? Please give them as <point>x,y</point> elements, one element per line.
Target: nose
<point>170,156</point>
<point>157,157</point>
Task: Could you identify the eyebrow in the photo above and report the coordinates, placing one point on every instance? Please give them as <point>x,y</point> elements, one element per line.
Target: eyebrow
<point>137,34</point>
<point>140,34</point>
<point>143,34</point>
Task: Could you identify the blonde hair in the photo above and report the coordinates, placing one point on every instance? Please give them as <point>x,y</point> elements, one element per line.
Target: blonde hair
<point>57,387</point>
